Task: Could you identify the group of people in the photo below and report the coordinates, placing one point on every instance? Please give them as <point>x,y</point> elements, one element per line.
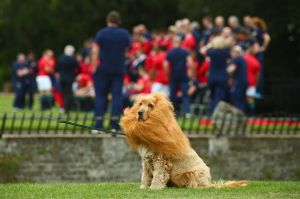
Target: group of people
<point>227,61</point>
<point>57,81</point>
<point>223,60</point>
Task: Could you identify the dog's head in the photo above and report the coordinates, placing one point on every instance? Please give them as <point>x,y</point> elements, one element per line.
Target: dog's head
<point>150,105</point>
<point>151,123</point>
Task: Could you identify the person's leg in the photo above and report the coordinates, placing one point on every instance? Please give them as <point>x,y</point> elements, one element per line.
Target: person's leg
<point>238,97</point>
<point>18,96</point>
<point>31,98</point>
<point>261,79</point>
<point>67,94</point>
<point>212,103</point>
<point>184,86</point>
<point>102,85</point>
<point>116,90</point>
<point>173,87</point>
<point>220,94</point>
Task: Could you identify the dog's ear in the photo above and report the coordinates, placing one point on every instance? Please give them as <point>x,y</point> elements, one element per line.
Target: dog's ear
<point>164,99</point>
<point>170,105</point>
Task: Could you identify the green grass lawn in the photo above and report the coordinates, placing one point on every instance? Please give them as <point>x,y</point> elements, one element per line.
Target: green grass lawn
<point>255,190</point>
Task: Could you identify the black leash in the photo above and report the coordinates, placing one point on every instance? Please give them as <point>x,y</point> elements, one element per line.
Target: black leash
<point>97,130</point>
<point>88,127</point>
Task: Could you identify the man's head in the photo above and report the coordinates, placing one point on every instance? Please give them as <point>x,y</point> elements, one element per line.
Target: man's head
<point>236,51</point>
<point>21,58</point>
<point>233,21</point>
<point>207,22</point>
<point>176,41</point>
<point>247,20</point>
<point>30,55</point>
<point>113,18</point>
<point>219,21</point>
<point>69,50</point>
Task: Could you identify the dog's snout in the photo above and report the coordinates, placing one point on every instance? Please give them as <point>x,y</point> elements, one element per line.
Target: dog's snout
<point>140,113</point>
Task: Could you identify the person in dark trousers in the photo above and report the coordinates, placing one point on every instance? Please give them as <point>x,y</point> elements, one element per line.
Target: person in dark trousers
<point>110,45</point>
<point>217,77</point>
<point>237,79</point>
<point>67,68</point>
<point>179,59</point>
<point>22,82</point>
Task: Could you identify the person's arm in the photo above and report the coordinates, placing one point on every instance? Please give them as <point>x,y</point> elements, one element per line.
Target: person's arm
<point>267,40</point>
<point>166,66</point>
<point>190,63</point>
<point>231,69</point>
<point>94,56</point>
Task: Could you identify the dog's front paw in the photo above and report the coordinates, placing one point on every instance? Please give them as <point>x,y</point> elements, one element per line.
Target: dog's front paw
<point>144,187</point>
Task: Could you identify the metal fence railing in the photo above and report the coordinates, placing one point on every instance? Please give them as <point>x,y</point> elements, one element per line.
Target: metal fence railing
<point>21,123</point>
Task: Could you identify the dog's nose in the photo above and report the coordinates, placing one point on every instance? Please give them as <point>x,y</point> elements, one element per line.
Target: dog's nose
<point>140,113</point>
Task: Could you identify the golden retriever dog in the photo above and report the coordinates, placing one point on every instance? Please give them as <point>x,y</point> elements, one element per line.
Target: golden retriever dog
<point>167,157</point>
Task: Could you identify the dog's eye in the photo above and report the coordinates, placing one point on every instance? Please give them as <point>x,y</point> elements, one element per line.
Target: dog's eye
<point>151,105</point>
<point>140,103</point>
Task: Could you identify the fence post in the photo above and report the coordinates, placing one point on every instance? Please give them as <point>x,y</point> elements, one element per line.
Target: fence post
<point>3,124</point>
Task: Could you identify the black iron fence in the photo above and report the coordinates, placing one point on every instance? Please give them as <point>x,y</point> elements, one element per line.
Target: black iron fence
<point>198,124</point>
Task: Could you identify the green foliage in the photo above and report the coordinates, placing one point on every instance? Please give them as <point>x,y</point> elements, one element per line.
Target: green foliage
<point>255,190</point>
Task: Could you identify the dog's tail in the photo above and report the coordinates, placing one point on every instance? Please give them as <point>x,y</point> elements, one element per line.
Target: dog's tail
<point>223,184</point>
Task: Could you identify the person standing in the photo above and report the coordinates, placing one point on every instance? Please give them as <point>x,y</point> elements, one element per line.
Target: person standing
<point>46,66</point>
<point>21,81</point>
<point>217,76</point>
<point>179,58</point>
<point>237,79</point>
<point>110,45</point>
<point>67,68</point>
<point>263,39</point>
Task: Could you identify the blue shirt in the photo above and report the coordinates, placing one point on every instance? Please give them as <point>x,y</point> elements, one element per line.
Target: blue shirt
<point>207,33</point>
<point>112,41</point>
<point>240,73</point>
<point>259,35</point>
<point>26,79</point>
<point>218,65</point>
<point>67,67</point>
<point>177,58</point>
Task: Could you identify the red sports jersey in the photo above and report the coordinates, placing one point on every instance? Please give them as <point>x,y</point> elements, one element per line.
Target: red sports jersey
<point>253,68</point>
<point>146,46</point>
<point>135,46</point>
<point>84,80</point>
<point>202,72</point>
<point>146,83</point>
<point>149,61</point>
<point>85,68</point>
<point>189,42</point>
<point>46,66</point>
<point>158,65</point>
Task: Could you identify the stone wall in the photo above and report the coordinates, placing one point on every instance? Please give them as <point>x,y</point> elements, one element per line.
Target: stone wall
<point>110,159</point>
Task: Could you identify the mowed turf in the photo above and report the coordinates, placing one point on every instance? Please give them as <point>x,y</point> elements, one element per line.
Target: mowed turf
<point>256,189</point>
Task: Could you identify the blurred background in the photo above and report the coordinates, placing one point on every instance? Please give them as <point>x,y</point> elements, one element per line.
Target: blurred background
<point>36,25</point>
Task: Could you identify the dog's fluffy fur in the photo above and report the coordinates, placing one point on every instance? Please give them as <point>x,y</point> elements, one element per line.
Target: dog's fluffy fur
<point>167,157</point>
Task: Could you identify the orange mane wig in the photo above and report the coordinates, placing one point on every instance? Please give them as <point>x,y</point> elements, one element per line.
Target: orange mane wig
<point>159,133</point>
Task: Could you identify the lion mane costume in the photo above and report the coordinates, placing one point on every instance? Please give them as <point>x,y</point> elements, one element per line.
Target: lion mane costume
<point>167,157</point>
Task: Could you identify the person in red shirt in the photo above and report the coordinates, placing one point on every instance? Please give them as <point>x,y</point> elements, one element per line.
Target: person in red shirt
<point>83,89</point>
<point>253,72</point>
<point>143,84</point>
<point>84,86</point>
<point>159,72</point>
<point>198,88</point>
<point>86,66</point>
<point>46,66</point>
<point>189,41</point>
